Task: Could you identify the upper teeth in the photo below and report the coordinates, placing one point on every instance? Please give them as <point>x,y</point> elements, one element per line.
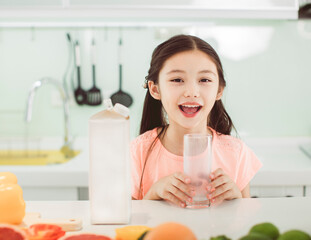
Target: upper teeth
<point>194,106</point>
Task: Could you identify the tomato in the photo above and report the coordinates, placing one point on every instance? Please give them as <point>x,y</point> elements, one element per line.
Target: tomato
<point>44,232</point>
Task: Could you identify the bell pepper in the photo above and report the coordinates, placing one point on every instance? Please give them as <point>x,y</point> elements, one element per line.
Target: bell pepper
<point>132,232</point>
<point>43,231</point>
<point>12,204</point>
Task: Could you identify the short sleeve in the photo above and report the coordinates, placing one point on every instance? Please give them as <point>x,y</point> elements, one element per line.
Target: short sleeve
<point>249,165</point>
<point>136,167</point>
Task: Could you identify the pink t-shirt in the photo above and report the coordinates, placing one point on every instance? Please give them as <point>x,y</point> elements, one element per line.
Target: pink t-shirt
<point>229,153</point>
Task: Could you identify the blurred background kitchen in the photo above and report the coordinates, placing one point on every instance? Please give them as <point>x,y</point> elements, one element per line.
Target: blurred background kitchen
<point>264,47</point>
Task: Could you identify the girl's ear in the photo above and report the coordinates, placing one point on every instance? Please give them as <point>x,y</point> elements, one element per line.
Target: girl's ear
<point>154,90</point>
<point>220,92</point>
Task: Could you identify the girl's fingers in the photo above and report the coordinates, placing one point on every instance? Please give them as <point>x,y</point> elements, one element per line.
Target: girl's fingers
<point>223,196</point>
<point>187,189</point>
<point>218,172</point>
<point>182,177</point>
<point>173,199</point>
<point>222,187</point>
<point>223,179</point>
<point>179,194</point>
<point>220,190</point>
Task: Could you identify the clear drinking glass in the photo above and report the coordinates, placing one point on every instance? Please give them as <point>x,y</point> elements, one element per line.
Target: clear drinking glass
<point>197,165</point>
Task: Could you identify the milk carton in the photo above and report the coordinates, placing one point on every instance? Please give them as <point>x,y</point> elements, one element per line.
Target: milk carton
<point>109,175</point>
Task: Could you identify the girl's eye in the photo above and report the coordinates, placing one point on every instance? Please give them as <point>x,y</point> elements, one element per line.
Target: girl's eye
<point>205,80</point>
<point>178,80</point>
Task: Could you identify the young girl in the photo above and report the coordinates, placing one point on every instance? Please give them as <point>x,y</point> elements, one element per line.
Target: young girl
<point>185,84</point>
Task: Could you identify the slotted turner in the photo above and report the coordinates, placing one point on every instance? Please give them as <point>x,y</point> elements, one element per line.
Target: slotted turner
<point>94,96</point>
<point>80,94</point>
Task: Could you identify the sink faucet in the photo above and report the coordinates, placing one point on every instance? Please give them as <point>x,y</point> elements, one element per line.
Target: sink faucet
<point>66,148</point>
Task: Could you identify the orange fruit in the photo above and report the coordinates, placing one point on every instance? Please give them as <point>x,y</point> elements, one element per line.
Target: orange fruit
<point>170,231</point>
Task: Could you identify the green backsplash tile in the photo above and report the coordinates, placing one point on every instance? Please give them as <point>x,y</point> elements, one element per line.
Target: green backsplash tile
<point>267,94</point>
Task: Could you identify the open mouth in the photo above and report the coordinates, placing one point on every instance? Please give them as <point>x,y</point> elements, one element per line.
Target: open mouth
<point>190,109</point>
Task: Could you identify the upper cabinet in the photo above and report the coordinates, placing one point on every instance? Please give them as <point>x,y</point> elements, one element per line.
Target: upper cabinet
<point>92,13</point>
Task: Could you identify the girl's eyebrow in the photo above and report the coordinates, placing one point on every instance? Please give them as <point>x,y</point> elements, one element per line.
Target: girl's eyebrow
<point>208,71</point>
<point>181,71</point>
<point>175,71</point>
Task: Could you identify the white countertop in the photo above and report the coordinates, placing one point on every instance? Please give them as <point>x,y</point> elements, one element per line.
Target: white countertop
<point>233,218</point>
<point>283,161</point>
<point>283,164</point>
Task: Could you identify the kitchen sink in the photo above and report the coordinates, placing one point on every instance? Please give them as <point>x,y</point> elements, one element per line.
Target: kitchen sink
<point>34,157</point>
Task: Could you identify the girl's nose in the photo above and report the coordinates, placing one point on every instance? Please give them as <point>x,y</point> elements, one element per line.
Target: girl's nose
<point>192,90</point>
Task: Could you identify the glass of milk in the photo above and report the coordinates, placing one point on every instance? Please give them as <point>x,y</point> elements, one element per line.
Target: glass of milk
<point>197,165</point>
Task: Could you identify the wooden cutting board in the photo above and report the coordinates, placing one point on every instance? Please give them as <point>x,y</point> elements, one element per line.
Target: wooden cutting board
<point>70,224</point>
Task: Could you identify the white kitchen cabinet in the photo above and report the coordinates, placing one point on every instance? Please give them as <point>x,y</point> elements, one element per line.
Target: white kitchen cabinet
<point>83,193</point>
<point>274,191</point>
<point>308,191</point>
<point>97,13</point>
<point>31,3</point>
<point>50,193</point>
<point>277,191</point>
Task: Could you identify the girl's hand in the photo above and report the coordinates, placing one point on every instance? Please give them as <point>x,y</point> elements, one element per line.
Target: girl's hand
<point>222,187</point>
<point>173,188</point>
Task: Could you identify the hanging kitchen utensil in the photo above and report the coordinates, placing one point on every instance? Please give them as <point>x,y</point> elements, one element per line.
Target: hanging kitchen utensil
<point>120,96</point>
<point>94,96</point>
<point>80,94</point>
<point>70,65</point>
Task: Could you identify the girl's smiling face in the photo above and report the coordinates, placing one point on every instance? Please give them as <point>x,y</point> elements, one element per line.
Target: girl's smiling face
<point>188,87</point>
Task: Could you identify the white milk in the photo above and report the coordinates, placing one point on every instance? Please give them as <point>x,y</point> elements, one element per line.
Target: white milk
<point>109,176</point>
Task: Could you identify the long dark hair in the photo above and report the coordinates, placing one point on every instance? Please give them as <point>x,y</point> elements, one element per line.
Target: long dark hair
<point>153,115</point>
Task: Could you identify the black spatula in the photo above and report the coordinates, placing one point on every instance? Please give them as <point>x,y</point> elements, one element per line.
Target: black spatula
<point>120,96</point>
<point>94,96</point>
<point>80,93</point>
